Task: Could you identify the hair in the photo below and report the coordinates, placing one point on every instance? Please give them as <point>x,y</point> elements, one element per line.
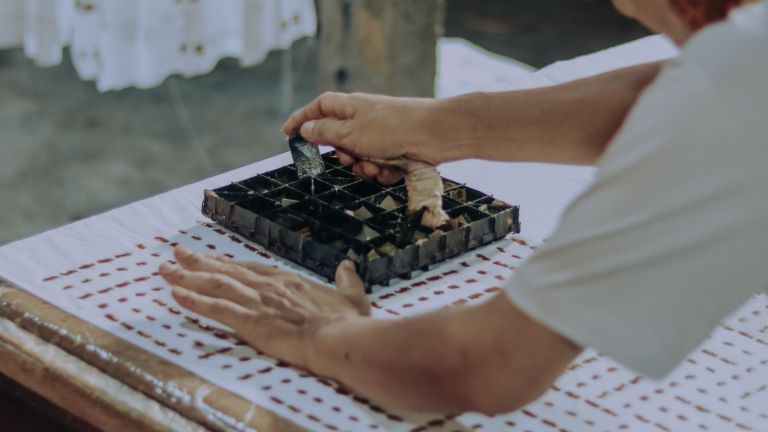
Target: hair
<point>700,13</point>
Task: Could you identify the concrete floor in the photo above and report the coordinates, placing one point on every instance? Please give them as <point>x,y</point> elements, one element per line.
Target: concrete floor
<point>67,151</point>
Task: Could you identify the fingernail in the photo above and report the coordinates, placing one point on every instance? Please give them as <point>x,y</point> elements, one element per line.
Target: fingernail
<point>307,128</point>
<point>167,268</point>
<point>370,170</point>
<point>210,255</point>
<point>178,291</point>
<point>183,252</point>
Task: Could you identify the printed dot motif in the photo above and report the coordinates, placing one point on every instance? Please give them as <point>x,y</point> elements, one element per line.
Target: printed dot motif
<point>722,386</point>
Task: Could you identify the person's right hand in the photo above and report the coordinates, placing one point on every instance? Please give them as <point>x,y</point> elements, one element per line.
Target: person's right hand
<point>363,126</point>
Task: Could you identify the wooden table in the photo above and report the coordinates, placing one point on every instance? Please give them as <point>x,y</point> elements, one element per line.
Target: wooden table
<point>62,365</point>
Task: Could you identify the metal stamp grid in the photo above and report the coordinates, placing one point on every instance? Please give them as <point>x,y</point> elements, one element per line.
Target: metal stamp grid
<point>320,221</point>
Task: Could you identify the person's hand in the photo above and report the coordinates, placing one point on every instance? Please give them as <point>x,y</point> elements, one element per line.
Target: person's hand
<point>363,126</point>
<point>276,312</point>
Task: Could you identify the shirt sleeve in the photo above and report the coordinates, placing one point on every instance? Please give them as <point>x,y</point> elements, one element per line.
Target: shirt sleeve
<point>671,236</point>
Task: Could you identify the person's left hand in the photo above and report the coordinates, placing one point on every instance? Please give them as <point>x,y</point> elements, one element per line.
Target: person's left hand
<point>276,312</point>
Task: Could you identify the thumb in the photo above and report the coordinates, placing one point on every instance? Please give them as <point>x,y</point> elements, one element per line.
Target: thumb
<point>325,131</point>
<point>351,287</point>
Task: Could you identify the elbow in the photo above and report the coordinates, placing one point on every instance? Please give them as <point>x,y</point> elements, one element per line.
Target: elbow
<point>493,391</point>
<point>492,403</point>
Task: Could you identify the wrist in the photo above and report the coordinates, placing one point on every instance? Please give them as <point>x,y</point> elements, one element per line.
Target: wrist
<point>328,349</point>
<point>458,126</point>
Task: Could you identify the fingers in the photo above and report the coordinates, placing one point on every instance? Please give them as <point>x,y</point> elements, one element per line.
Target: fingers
<point>255,281</point>
<point>211,285</point>
<point>388,175</point>
<point>344,158</point>
<point>200,263</point>
<point>334,105</point>
<point>262,269</point>
<point>221,264</point>
<point>384,174</point>
<point>227,312</point>
<point>370,169</point>
<point>263,328</point>
<point>365,170</point>
<point>352,288</point>
<point>205,275</point>
<point>326,131</point>
<point>259,295</point>
<point>358,172</point>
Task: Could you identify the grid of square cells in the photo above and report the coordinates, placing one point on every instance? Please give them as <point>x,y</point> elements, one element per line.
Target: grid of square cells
<point>320,221</point>
<point>722,386</point>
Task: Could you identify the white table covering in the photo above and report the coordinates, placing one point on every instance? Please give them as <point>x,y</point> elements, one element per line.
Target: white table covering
<point>100,269</point>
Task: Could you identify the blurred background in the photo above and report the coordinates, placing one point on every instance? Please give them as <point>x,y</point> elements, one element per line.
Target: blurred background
<point>68,151</point>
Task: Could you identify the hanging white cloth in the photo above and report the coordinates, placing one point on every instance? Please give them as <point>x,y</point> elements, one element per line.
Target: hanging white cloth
<point>125,43</point>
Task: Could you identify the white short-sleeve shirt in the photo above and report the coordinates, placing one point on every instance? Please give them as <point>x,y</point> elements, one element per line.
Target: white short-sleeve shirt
<point>672,236</point>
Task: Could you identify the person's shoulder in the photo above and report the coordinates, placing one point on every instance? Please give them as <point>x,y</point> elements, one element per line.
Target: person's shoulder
<point>751,19</point>
<point>722,67</point>
<point>711,101</point>
<point>733,50</point>
<point>721,78</point>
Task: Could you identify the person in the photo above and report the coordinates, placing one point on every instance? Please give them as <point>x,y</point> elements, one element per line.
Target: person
<point>668,240</point>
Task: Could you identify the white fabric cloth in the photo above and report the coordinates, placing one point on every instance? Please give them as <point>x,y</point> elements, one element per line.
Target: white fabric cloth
<point>139,43</point>
<point>671,237</point>
<point>459,60</point>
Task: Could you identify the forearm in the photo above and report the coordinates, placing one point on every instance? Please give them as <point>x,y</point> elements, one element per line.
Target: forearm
<point>409,363</point>
<point>568,123</point>
<point>449,361</point>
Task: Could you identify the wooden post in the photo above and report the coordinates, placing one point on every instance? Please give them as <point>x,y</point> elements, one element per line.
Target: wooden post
<point>379,46</point>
